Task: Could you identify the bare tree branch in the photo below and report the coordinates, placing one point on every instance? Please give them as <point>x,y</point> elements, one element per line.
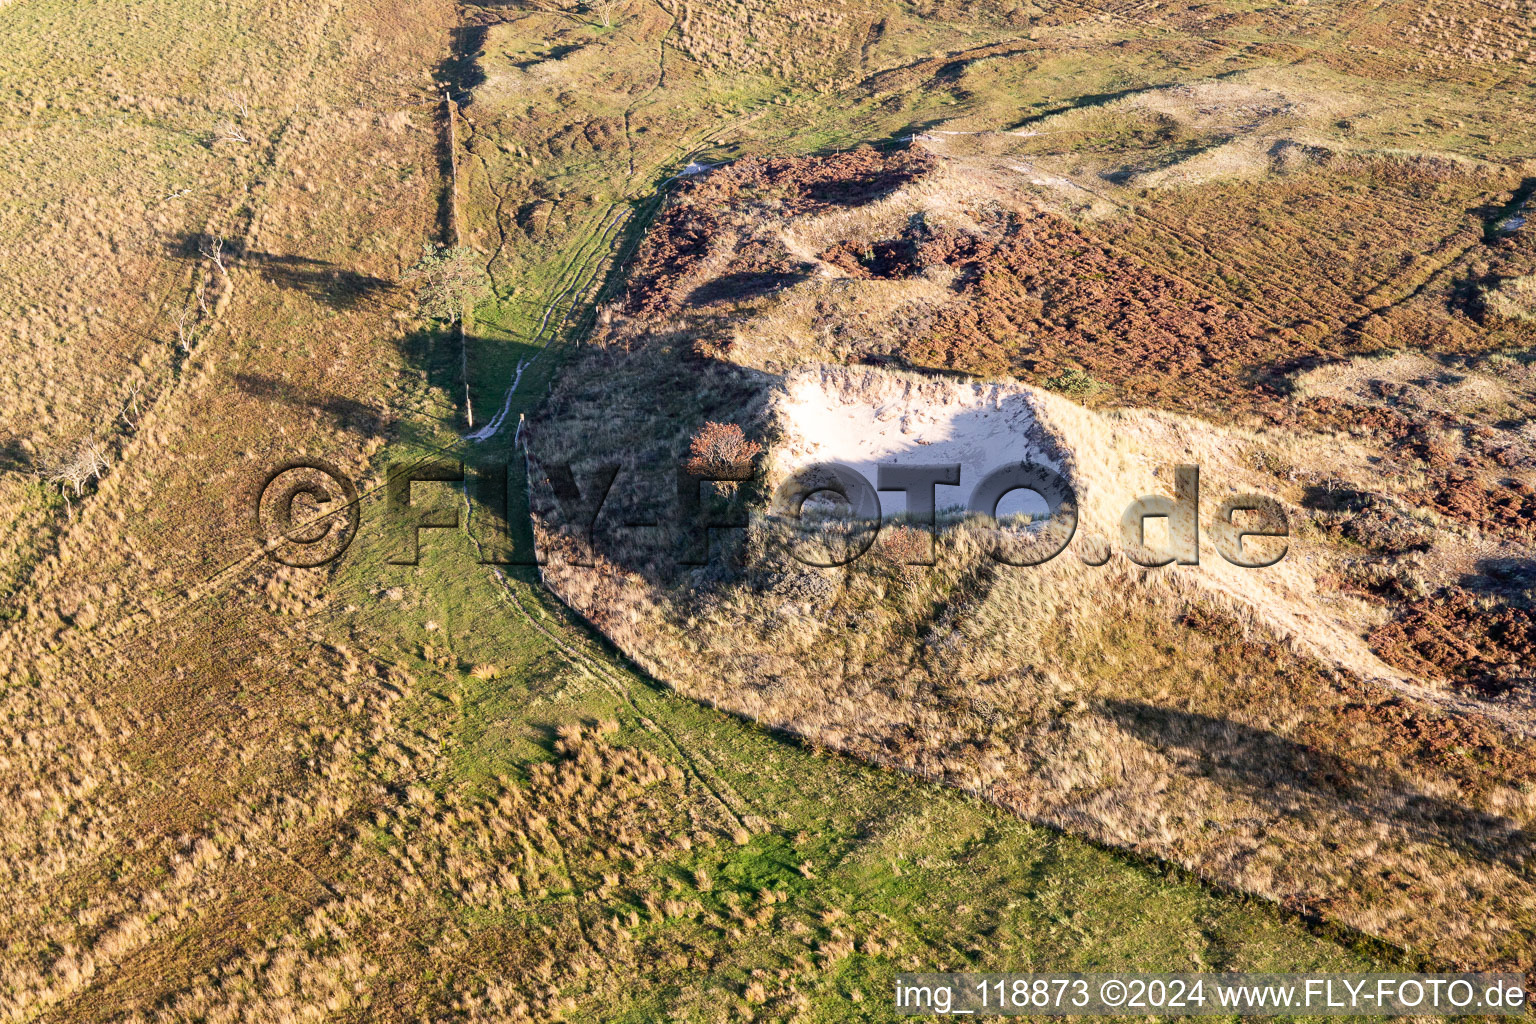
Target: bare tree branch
<point>229,131</point>
<point>213,249</point>
<point>75,465</point>
<point>603,10</point>
<point>185,332</point>
<point>131,402</point>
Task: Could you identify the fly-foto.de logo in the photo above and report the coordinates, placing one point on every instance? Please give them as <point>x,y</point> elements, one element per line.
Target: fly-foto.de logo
<point>823,514</point>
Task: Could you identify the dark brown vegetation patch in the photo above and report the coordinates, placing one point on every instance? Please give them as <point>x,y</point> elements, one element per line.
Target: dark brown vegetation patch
<point>790,186</point>
<point>1505,508</point>
<point>1325,413</point>
<point>1453,636</point>
<point>1371,521</point>
<point>1464,745</point>
<point>892,258</point>
<point>1046,295</point>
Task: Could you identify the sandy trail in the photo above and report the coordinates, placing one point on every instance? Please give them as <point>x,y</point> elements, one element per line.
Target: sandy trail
<point>488,431</point>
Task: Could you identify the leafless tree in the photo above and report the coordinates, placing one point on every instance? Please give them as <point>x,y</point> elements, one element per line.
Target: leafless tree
<point>213,249</point>
<point>131,403</point>
<point>603,10</point>
<point>186,329</point>
<point>75,465</point>
<point>228,131</point>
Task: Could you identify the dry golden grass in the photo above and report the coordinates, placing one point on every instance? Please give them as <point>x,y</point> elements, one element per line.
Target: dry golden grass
<point>1514,298</point>
<point>105,250</point>
<point>223,797</point>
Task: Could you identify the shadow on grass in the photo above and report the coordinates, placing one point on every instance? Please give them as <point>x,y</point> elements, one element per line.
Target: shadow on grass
<point>323,281</point>
<point>745,285</point>
<point>347,412</point>
<point>16,459</point>
<point>1503,577</point>
<point>1280,774</point>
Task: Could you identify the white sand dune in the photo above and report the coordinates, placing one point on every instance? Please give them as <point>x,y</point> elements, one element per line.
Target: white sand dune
<point>904,420</point>
<point>862,417</point>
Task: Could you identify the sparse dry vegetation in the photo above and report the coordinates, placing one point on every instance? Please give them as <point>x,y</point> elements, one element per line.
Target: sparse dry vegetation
<point>1098,252</point>
<point>231,790</point>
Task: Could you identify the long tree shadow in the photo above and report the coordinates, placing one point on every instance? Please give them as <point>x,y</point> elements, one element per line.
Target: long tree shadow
<point>1502,577</point>
<point>346,412</point>
<point>1278,773</point>
<point>1084,102</point>
<point>326,282</point>
<point>460,70</point>
<point>16,459</point>
<point>746,285</point>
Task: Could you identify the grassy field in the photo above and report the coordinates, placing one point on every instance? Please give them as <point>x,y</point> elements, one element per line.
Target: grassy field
<point>233,790</point>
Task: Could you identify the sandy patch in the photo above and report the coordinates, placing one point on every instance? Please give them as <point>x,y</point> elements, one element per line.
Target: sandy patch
<point>865,421</point>
<point>1418,381</point>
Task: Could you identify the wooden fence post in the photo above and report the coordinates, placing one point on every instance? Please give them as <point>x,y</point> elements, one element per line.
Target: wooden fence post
<point>455,230</point>
<point>456,238</point>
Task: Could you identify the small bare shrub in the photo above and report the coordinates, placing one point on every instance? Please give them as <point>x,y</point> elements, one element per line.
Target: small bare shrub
<point>212,249</point>
<point>229,131</point>
<point>721,449</point>
<point>186,329</point>
<point>75,465</point>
